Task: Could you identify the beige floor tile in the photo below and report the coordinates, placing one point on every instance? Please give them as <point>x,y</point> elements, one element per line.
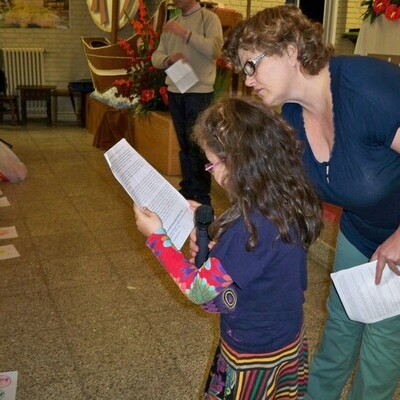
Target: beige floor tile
<point>19,278</point>
<point>23,313</point>
<point>65,244</point>
<point>77,272</point>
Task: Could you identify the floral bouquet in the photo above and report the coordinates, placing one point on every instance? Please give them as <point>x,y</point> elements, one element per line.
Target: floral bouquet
<point>146,84</point>
<point>223,78</point>
<point>390,8</point>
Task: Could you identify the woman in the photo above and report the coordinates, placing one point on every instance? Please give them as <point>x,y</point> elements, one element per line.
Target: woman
<point>346,110</point>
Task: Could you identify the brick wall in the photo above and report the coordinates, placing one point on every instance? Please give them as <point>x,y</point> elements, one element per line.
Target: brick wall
<point>256,5</point>
<point>349,17</point>
<point>354,14</point>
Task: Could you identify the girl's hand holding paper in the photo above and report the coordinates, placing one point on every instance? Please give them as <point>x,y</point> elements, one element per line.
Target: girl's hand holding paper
<point>147,221</point>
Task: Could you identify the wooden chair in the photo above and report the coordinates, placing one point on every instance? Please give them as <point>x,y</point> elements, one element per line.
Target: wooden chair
<point>8,104</point>
<point>395,59</point>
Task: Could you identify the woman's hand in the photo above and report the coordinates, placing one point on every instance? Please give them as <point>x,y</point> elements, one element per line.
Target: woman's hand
<point>146,221</point>
<point>388,253</point>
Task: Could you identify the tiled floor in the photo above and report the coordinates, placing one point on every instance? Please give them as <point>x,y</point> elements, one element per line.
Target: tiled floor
<point>86,312</point>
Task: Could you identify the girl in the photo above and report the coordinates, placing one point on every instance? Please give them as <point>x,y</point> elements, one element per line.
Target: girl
<point>255,276</point>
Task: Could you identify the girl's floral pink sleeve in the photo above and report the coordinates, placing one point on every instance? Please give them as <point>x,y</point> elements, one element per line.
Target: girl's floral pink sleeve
<point>200,285</point>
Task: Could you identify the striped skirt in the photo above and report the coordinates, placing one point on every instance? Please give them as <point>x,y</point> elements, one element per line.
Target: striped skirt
<point>278,375</point>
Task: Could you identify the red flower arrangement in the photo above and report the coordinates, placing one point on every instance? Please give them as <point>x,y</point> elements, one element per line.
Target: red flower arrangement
<point>146,84</point>
<point>223,78</point>
<point>389,8</point>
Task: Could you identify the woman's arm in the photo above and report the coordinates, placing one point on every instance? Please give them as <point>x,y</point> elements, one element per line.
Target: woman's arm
<point>389,251</point>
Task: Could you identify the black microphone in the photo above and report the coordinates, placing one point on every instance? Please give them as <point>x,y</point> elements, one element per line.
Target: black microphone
<point>203,216</point>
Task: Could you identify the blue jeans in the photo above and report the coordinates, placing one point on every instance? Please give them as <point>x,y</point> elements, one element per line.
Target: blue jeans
<point>184,109</point>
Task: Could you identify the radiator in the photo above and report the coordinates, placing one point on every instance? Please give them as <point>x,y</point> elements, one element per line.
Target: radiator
<point>24,66</point>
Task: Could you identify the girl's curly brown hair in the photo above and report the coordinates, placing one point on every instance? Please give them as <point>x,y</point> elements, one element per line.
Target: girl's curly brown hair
<point>272,30</point>
<point>265,173</point>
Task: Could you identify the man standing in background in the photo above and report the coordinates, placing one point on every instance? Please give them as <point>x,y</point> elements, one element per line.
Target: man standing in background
<point>195,37</point>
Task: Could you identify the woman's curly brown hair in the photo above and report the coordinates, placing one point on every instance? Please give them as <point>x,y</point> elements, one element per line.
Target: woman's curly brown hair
<point>263,160</point>
<point>272,30</point>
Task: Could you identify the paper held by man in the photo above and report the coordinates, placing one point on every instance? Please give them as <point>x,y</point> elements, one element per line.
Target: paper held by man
<point>150,189</point>
<point>182,74</point>
<point>362,299</point>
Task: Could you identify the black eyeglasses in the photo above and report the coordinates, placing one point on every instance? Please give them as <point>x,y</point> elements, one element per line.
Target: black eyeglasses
<point>249,67</point>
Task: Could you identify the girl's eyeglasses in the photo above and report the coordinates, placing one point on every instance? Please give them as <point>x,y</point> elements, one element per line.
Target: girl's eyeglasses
<point>249,67</point>
<point>210,166</point>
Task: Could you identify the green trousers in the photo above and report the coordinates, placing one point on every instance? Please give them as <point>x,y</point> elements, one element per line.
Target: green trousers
<point>374,349</point>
